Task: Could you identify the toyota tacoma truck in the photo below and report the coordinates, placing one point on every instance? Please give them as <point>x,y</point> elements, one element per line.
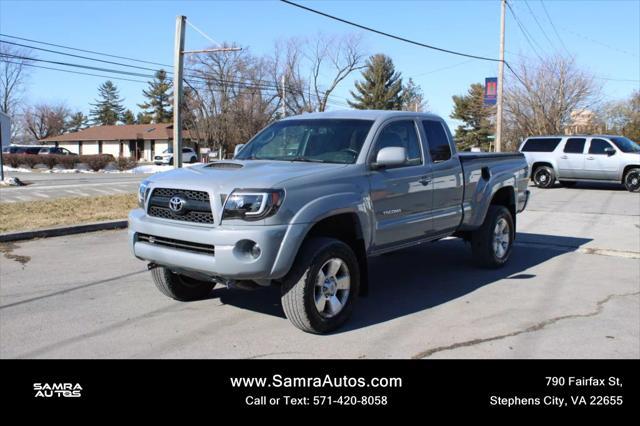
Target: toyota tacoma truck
<point>310,198</point>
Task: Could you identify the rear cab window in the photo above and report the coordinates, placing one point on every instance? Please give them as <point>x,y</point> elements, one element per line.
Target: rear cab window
<point>437,140</point>
<point>574,146</point>
<point>540,144</point>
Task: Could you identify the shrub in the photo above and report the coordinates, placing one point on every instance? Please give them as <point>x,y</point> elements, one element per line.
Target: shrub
<point>12,160</point>
<point>49,160</point>
<point>125,163</point>
<point>68,161</point>
<point>31,160</point>
<point>97,162</point>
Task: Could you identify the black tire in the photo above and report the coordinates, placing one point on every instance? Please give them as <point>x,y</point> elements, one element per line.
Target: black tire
<point>180,287</point>
<point>568,183</point>
<point>299,286</point>
<point>544,177</point>
<point>632,180</point>
<point>193,160</point>
<point>482,239</point>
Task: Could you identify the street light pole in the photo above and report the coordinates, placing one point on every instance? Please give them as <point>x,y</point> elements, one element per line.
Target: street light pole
<point>498,146</point>
<point>178,69</point>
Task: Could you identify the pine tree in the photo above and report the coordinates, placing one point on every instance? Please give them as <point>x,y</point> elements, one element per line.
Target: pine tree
<point>128,117</point>
<point>381,87</point>
<point>77,122</point>
<point>413,98</point>
<point>477,117</point>
<point>142,118</point>
<point>108,109</point>
<point>159,98</point>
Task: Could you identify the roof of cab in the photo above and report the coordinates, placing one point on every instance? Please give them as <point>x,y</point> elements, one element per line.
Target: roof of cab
<point>361,114</point>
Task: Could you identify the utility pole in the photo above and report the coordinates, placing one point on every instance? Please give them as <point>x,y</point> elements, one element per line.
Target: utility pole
<point>500,99</point>
<point>178,69</point>
<point>178,92</point>
<point>284,97</point>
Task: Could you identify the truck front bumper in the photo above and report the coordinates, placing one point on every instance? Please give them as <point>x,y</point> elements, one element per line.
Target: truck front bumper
<point>230,260</point>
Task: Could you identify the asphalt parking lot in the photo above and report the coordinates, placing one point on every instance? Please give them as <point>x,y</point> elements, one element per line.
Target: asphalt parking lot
<point>571,290</point>
<point>49,186</point>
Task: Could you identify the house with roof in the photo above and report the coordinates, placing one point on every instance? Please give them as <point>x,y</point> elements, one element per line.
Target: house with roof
<point>140,141</point>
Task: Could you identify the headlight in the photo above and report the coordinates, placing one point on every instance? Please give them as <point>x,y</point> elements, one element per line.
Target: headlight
<point>143,191</point>
<point>252,204</point>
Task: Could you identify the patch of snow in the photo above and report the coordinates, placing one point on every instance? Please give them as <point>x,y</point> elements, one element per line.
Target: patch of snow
<point>13,169</point>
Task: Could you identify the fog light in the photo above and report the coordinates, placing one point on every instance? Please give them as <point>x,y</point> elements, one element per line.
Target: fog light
<point>247,250</point>
<point>255,251</point>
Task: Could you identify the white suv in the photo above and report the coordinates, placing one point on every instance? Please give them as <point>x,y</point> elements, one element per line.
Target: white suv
<point>576,158</point>
<point>189,155</point>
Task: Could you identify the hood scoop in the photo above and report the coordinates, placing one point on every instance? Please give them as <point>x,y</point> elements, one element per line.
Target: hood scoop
<point>224,165</point>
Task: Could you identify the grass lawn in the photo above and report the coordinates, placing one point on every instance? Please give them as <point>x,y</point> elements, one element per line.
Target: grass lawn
<point>64,211</point>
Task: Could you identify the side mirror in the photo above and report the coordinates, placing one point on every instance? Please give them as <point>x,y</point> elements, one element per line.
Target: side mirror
<point>237,149</point>
<point>609,151</point>
<point>391,156</point>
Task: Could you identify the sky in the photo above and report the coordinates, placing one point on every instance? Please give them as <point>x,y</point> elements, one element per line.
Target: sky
<point>603,36</point>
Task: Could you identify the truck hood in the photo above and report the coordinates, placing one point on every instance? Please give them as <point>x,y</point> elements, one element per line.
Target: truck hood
<point>222,177</point>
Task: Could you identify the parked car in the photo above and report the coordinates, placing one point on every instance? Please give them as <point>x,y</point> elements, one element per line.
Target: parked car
<point>189,155</point>
<point>21,149</point>
<point>50,150</point>
<point>311,197</point>
<point>576,158</point>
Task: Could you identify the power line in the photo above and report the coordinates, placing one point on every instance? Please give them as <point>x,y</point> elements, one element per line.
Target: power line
<point>74,72</point>
<point>598,42</point>
<point>202,33</point>
<point>524,31</point>
<point>535,18</point>
<point>406,40</point>
<point>79,56</point>
<point>555,30</point>
<point>84,50</point>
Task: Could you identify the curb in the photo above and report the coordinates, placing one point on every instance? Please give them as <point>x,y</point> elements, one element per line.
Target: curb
<point>63,230</point>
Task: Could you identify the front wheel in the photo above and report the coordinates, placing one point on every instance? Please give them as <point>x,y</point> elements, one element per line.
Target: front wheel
<point>180,287</point>
<point>491,243</point>
<point>319,291</point>
<point>544,177</point>
<point>632,180</point>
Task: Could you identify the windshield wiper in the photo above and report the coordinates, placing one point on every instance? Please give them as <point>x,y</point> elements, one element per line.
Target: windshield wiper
<point>308,160</point>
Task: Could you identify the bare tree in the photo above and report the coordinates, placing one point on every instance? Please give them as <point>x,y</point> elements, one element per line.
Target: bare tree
<point>313,70</point>
<point>13,73</point>
<point>45,120</point>
<point>550,91</point>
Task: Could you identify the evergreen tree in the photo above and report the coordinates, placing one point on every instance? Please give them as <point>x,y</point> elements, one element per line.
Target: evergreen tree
<point>142,118</point>
<point>159,98</point>
<point>412,97</point>
<point>108,108</point>
<point>128,117</point>
<point>477,117</point>
<point>381,87</point>
<point>77,122</point>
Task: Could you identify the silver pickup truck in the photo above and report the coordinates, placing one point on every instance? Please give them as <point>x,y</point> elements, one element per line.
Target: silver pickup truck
<point>311,197</point>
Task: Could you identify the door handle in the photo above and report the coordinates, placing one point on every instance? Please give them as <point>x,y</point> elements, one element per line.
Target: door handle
<point>590,158</point>
<point>424,180</point>
<point>564,157</point>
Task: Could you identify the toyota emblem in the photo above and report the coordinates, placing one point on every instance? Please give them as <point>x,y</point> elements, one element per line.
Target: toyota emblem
<point>176,204</point>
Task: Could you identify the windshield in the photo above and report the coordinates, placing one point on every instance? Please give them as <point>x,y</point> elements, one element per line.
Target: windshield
<point>625,144</point>
<point>314,140</point>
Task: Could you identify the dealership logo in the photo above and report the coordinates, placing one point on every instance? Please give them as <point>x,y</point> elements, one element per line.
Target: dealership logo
<point>57,390</point>
<point>176,204</point>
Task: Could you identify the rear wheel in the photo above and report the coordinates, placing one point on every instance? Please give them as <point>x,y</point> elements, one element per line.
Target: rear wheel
<point>632,180</point>
<point>544,177</point>
<point>491,243</point>
<point>319,291</point>
<point>180,287</point>
<point>568,183</point>
<point>193,159</point>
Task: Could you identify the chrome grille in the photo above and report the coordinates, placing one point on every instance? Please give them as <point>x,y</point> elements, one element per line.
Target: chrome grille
<point>177,244</point>
<point>192,195</point>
